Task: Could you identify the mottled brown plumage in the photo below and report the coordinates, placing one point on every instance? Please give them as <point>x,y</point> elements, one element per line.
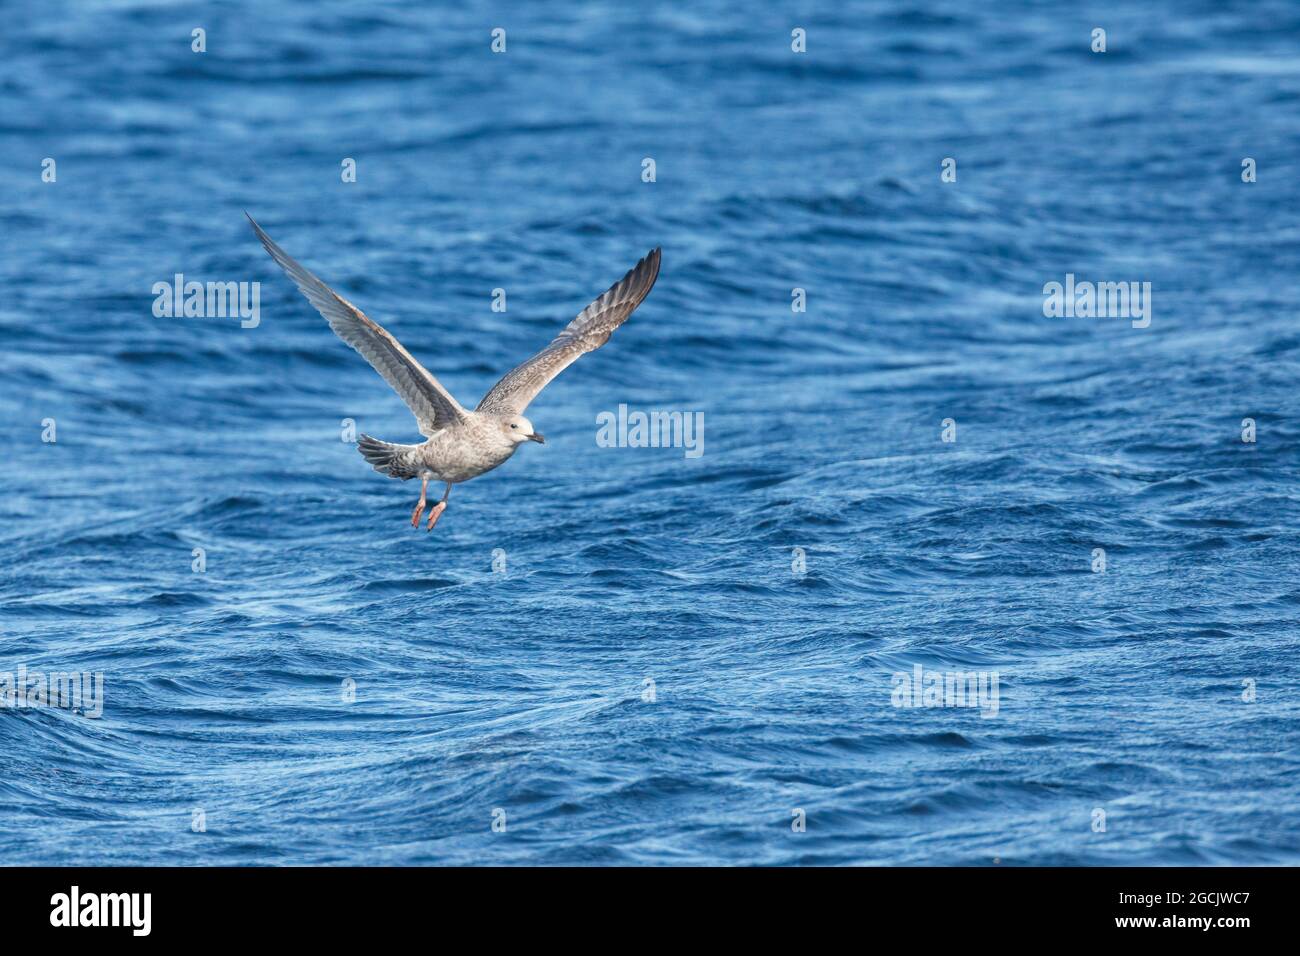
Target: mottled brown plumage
<point>462,444</point>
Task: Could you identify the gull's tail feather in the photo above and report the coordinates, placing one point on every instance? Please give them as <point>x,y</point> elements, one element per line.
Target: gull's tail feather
<point>396,461</point>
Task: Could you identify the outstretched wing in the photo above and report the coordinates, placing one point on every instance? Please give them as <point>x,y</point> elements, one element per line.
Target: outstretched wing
<point>588,332</point>
<point>424,395</point>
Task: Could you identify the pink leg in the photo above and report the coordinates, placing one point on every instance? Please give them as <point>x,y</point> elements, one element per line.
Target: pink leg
<point>419,505</point>
<point>436,512</point>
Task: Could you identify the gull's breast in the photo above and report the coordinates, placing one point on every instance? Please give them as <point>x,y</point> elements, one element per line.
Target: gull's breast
<point>460,453</point>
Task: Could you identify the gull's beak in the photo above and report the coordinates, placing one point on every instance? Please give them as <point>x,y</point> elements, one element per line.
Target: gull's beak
<point>537,437</point>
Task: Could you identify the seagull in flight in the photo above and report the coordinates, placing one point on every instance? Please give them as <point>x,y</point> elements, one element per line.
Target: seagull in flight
<point>461,444</point>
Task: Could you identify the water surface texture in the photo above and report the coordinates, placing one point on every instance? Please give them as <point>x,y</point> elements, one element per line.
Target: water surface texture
<point>646,677</point>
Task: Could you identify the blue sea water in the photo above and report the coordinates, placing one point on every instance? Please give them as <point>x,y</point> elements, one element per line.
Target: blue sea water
<point>481,695</point>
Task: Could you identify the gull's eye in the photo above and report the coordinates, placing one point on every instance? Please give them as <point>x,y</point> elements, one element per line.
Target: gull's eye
<point>513,425</point>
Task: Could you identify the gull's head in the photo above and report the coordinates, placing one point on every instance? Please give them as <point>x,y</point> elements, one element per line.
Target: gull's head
<point>518,429</point>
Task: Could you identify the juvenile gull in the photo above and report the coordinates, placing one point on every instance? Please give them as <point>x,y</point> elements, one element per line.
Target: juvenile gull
<point>462,444</point>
